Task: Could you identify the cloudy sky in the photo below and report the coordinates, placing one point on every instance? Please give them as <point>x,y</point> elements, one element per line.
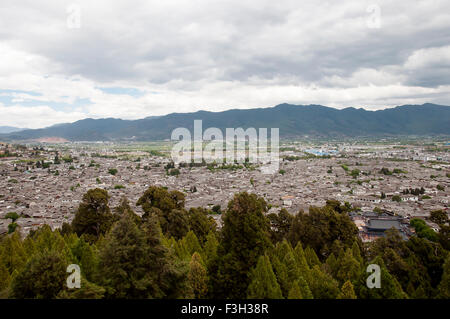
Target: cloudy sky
<point>61,61</point>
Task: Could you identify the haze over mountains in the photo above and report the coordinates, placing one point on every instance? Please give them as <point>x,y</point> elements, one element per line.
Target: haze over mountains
<point>292,120</point>
<point>9,129</point>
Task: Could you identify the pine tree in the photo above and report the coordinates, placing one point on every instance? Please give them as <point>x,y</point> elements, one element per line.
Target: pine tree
<point>332,265</point>
<point>43,276</point>
<point>168,207</point>
<point>304,288</point>
<point>126,264</point>
<point>14,255</point>
<point>347,291</point>
<point>311,257</point>
<point>198,278</point>
<point>390,287</point>
<point>87,290</point>
<point>93,217</point>
<point>348,267</point>
<point>125,208</point>
<point>322,285</point>
<point>356,251</point>
<point>295,292</point>
<point>200,223</point>
<point>281,272</point>
<point>191,243</point>
<point>210,248</point>
<point>302,264</point>
<point>245,237</point>
<point>4,276</point>
<point>263,283</point>
<point>444,285</point>
<point>285,266</point>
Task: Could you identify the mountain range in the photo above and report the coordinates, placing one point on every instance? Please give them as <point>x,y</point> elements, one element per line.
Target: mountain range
<point>9,129</point>
<point>292,120</point>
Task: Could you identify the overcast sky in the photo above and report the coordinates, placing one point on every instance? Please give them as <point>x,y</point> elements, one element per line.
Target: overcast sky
<point>61,61</point>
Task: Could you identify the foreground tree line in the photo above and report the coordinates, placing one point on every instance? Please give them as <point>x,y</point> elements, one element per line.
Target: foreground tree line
<point>171,252</point>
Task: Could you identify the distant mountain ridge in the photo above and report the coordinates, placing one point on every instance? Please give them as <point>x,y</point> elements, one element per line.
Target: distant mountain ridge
<point>9,129</point>
<point>292,120</point>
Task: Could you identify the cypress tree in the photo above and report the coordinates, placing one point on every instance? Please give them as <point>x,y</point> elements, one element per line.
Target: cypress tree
<point>192,243</point>
<point>210,249</point>
<point>311,257</point>
<point>304,288</point>
<point>198,278</point>
<point>332,265</point>
<point>295,292</point>
<point>281,273</point>
<point>347,291</point>
<point>42,277</point>
<point>444,285</point>
<point>302,264</point>
<point>244,237</point>
<point>356,251</point>
<point>87,290</point>
<point>390,287</point>
<point>14,255</point>
<point>93,217</point>
<point>348,268</point>
<point>4,276</point>
<point>263,283</point>
<point>322,285</point>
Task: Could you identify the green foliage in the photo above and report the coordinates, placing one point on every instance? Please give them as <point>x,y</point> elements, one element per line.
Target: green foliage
<point>439,217</point>
<point>42,277</point>
<point>396,198</point>
<point>280,225</point>
<point>295,292</point>
<point>210,249</point>
<point>174,253</point>
<point>5,277</point>
<point>88,290</point>
<point>322,284</point>
<point>216,209</point>
<point>245,237</point>
<point>168,207</point>
<point>133,262</point>
<point>200,223</point>
<point>12,228</point>
<point>390,287</point>
<point>444,285</point>
<point>348,267</point>
<point>311,257</point>
<point>93,217</point>
<point>355,173</point>
<point>347,291</point>
<point>174,172</point>
<point>12,215</point>
<point>263,283</point>
<point>320,228</point>
<point>197,276</point>
<point>422,230</point>
<point>113,171</point>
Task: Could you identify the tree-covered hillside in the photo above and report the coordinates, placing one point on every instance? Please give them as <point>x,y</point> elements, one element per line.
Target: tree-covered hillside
<point>172,252</point>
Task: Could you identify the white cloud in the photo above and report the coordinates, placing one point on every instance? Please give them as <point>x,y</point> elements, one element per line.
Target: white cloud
<point>215,55</point>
